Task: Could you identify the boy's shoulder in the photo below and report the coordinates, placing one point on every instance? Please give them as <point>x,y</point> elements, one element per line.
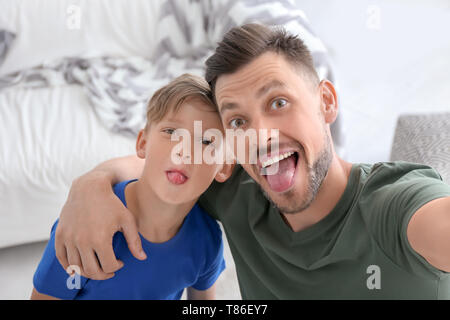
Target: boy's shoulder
<point>205,235</point>
<point>203,225</point>
<point>119,189</point>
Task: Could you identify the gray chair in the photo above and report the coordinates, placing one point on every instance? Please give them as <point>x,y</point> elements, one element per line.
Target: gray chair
<point>424,139</point>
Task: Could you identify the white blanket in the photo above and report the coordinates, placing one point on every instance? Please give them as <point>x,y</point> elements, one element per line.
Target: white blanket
<point>68,89</point>
<point>119,87</point>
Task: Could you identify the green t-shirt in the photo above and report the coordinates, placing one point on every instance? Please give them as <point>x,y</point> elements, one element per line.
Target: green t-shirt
<point>358,251</point>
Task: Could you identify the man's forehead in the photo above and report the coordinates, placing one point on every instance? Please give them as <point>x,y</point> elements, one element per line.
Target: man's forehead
<point>269,66</point>
<point>267,63</point>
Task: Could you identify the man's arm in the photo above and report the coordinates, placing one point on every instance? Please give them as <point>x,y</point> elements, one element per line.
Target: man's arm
<point>429,233</point>
<point>92,215</point>
<point>208,294</point>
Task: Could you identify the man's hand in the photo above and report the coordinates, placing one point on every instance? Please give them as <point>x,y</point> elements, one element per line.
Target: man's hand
<point>89,219</point>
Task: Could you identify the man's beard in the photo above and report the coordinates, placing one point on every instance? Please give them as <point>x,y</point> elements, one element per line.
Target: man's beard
<point>294,203</point>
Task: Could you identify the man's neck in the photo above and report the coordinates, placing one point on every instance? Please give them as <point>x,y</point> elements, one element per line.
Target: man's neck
<point>157,220</point>
<point>329,194</point>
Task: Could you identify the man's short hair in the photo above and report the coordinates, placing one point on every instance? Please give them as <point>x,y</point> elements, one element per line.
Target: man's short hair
<point>243,44</point>
<point>170,97</point>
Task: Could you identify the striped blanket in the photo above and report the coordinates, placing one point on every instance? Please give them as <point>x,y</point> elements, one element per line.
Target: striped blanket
<point>188,31</point>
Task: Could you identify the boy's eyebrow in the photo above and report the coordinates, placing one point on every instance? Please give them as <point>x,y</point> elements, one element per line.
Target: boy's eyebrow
<point>181,122</point>
<point>172,120</point>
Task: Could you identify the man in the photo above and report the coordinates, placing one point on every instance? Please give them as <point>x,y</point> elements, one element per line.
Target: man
<point>320,228</point>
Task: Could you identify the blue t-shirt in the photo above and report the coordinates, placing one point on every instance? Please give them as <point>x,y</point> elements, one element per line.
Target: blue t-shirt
<point>192,258</point>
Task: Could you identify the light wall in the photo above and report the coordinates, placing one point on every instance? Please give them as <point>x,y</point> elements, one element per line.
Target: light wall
<point>391,57</point>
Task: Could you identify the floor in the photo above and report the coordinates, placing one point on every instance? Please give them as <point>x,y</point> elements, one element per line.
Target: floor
<point>390,57</point>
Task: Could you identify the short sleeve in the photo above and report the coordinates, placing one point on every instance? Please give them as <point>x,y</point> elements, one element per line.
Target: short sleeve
<point>51,279</point>
<point>212,269</point>
<point>406,188</point>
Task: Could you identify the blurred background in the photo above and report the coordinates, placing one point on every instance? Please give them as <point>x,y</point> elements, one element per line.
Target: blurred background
<point>75,75</point>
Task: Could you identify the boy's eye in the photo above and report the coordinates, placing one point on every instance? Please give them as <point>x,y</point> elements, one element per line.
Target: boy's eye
<point>168,130</point>
<point>278,103</point>
<point>236,123</point>
<point>206,142</point>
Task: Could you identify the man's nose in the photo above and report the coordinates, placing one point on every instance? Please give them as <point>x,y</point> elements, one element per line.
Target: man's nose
<point>266,133</point>
<point>264,124</point>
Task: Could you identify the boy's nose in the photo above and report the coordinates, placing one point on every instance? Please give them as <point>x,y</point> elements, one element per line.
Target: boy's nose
<point>180,155</point>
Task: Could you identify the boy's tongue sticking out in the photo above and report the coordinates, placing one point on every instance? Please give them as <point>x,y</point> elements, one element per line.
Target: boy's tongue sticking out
<point>176,176</point>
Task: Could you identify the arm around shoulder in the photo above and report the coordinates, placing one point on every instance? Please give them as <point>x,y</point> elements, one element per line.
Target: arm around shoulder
<point>92,215</point>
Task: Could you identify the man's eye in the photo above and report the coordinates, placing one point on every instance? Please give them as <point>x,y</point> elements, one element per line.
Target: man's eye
<point>236,123</point>
<point>278,103</point>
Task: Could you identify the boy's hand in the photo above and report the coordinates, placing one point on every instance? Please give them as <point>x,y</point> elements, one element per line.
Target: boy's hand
<point>89,219</point>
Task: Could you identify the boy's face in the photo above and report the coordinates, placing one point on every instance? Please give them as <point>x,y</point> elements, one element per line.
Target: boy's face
<point>170,170</point>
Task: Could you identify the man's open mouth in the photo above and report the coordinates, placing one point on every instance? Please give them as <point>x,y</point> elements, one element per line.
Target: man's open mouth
<point>279,170</point>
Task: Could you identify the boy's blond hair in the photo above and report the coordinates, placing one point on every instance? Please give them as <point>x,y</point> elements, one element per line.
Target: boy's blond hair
<point>170,97</point>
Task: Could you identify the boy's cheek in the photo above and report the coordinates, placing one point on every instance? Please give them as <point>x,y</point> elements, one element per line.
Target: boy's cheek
<point>206,173</point>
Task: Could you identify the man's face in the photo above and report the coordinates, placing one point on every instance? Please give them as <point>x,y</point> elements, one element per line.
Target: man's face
<point>270,93</point>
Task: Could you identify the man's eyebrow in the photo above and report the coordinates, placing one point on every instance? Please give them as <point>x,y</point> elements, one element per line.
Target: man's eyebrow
<point>227,106</point>
<point>273,84</point>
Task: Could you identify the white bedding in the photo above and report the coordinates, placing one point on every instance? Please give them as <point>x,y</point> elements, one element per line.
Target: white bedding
<point>49,136</point>
<point>51,29</point>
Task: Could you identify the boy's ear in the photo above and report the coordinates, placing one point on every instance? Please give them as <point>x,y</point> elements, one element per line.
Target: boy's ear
<point>141,143</point>
<point>225,172</point>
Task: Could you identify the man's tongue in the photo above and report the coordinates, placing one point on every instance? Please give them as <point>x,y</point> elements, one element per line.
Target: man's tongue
<point>284,177</point>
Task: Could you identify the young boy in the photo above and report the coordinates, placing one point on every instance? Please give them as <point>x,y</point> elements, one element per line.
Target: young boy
<point>183,244</point>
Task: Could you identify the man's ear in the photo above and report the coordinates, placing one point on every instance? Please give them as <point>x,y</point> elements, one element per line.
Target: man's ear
<point>141,143</point>
<point>329,102</point>
<point>225,172</point>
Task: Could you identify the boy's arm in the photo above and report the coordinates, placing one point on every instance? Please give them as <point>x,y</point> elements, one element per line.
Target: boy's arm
<point>208,294</point>
<point>92,215</point>
<point>35,295</point>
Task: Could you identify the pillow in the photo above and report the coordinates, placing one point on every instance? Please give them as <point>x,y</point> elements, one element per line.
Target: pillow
<point>47,30</point>
<point>424,139</point>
